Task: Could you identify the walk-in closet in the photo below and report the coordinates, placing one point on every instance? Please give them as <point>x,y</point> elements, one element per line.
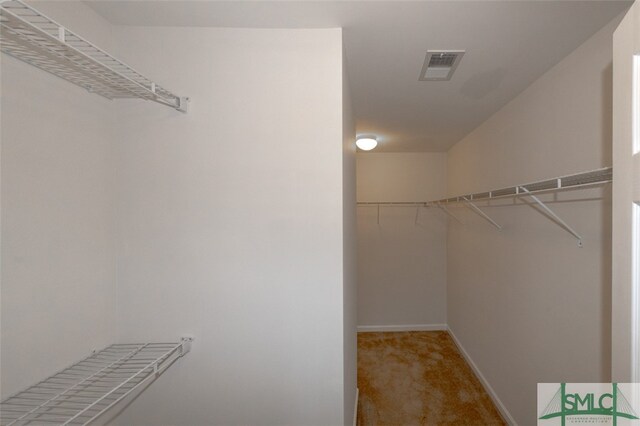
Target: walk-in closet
<point>319,213</point>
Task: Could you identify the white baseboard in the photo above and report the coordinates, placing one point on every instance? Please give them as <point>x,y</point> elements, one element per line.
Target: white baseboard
<point>501,408</point>
<point>406,327</point>
<point>355,409</point>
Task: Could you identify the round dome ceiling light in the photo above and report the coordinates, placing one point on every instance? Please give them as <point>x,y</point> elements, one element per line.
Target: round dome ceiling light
<point>366,143</point>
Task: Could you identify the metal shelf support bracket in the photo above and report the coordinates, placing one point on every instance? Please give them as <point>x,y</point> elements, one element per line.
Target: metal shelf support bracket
<point>481,213</point>
<point>552,214</point>
<point>186,342</point>
<point>183,105</point>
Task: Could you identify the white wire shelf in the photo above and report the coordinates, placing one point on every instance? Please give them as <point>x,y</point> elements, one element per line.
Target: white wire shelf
<point>574,181</point>
<point>30,36</point>
<point>81,393</point>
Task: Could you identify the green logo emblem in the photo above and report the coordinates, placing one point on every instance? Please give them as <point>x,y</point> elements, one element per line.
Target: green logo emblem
<point>613,404</point>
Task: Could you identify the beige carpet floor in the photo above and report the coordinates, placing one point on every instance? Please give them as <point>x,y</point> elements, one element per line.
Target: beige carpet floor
<point>418,378</point>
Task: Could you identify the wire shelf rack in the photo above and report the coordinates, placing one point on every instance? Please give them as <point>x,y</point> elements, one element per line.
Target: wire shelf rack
<point>574,181</point>
<point>32,37</point>
<point>82,392</point>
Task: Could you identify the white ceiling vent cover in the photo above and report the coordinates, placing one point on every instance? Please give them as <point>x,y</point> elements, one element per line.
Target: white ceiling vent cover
<point>440,64</point>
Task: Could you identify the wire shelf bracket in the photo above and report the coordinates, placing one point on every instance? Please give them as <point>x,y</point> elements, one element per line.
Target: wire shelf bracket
<point>477,210</point>
<point>32,37</point>
<point>552,214</point>
<point>82,392</point>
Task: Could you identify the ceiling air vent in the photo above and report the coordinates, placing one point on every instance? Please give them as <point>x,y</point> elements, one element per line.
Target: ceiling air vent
<point>440,64</point>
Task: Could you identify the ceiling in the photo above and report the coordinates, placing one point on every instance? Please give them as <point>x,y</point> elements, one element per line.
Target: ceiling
<point>508,44</point>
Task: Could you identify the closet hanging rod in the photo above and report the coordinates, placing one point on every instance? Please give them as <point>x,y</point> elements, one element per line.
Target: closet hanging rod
<point>32,37</point>
<point>573,181</point>
<point>84,391</point>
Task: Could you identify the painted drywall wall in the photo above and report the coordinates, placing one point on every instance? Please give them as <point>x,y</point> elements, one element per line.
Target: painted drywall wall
<point>625,46</point>
<point>231,225</point>
<point>527,304</point>
<point>401,261</point>
<point>58,221</point>
<point>350,246</point>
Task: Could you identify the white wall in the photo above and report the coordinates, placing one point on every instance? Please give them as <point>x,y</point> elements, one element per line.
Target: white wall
<point>625,46</point>
<point>231,225</point>
<point>58,227</point>
<point>225,223</point>
<point>350,244</point>
<point>526,303</point>
<point>401,264</point>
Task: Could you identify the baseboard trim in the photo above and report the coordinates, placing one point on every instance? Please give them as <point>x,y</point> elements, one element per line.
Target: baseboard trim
<point>499,405</point>
<point>407,327</point>
<point>355,408</point>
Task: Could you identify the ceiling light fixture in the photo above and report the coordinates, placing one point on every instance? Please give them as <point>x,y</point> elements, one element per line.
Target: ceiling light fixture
<point>366,143</point>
